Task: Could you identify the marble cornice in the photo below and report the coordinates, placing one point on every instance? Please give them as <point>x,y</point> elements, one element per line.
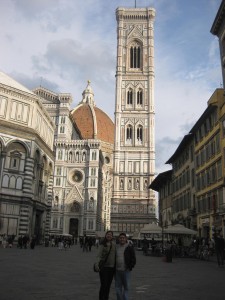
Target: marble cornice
<point>32,98</point>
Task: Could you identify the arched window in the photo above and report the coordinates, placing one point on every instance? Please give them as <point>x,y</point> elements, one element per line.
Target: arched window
<point>84,156</point>
<point>93,171</point>
<point>5,181</point>
<point>140,134</point>
<point>135,56</point>
<point>77,156</point>
<point>70,156</point>
<point>94,155</point>
<point>15,158</point>
<point>58,181</point>
<point>59,154</point>
<point>139,97</point>
<point>19,182</point>
<point>92,182</point>
<point>130,97</point>
<point>129,134</point>
<point>62,129</point>
<point>90,224</point>
<point>12,182</point>
<point>58,171</point>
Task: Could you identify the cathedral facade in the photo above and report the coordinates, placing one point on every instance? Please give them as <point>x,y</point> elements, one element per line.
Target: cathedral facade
<point>133,205</point>
<point>83,142</point>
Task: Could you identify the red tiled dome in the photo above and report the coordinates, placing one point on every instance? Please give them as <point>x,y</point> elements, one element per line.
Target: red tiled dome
<point>84,117</point>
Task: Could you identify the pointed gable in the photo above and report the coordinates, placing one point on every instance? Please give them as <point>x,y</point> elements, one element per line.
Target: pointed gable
<point>74,195</point>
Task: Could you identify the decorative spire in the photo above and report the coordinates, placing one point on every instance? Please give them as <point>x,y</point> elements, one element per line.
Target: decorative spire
<point>88,95</point>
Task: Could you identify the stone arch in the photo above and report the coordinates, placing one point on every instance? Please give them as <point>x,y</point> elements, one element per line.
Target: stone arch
<point>19,142</point>
<point>135,54</point>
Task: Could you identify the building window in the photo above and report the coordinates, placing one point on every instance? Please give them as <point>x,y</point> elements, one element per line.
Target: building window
<point>62,129</point>
<point>135,56</point>
<point>58,171</point>
<point>59,154</point>
<point>15,158</point>
<point>219,169</point>
<point>90,224</point>
<point>129,133</point>
<point>94,155</point>
<point>63,119</point>
<point>139,97</point>
<point>93,171</point>
<point>130,97</point>
<point>58,181</point>
<point>139,134</point>
<point>77,156</point>
<point>92,182</point>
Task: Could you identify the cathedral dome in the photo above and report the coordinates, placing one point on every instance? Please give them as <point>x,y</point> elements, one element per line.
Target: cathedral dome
<point>92,122</point>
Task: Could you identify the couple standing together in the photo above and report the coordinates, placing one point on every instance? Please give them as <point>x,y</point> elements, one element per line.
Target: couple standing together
<point>118,260</point>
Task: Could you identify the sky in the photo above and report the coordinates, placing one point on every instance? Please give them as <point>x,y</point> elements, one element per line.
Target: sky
<point>60,44</point>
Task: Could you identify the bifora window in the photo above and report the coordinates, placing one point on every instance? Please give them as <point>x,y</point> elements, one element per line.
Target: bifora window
<point>130,97</point>
<point>139,97</point>
<point>139,133</point>
<point>129,132</point>
<point>135,56</point>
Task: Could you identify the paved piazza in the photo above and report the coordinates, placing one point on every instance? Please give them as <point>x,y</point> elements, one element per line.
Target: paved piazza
<point>48,273</point>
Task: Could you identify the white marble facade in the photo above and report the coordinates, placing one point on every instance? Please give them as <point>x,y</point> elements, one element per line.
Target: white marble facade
<point>133,204</point>
<point>26,161</point>
<point>82,185</point>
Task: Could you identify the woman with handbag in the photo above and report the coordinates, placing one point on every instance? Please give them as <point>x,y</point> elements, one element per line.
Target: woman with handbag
<point>105,264</point>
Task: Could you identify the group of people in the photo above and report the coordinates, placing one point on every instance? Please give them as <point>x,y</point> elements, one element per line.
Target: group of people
<point>61,242</point>
<point>86,243</point>
<point>7,240</point>
<point>25,241</point>
<point>115,260</point>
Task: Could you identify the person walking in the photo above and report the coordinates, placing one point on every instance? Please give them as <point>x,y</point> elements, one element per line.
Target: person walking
<point>106,256</point>
<point>219,248</point>
<point>125,262</point>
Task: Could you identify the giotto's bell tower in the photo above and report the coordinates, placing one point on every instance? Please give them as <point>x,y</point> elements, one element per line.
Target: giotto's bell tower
<point>133,204</point>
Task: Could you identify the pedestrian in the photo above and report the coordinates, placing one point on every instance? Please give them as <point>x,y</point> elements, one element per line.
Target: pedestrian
<point>25,241</point>
<point>125,262</point>
<point>97,243</point>
<point>90,243</point>
<point>32,243</point>
<point>85,243</point>
<point>4,241</point>
<point>145,248</point>
<point>20,242</point>
<point>219,248</point>
<point>10,241</point>
<point>106,255</point>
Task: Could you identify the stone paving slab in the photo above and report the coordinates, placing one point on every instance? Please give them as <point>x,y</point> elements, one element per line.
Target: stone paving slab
<point>47,273</point>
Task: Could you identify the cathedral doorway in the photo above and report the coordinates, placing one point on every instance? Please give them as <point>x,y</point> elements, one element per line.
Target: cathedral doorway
<point>74,227</point>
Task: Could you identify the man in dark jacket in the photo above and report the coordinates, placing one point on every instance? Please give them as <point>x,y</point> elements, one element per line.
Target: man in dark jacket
<point>125,262</point>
